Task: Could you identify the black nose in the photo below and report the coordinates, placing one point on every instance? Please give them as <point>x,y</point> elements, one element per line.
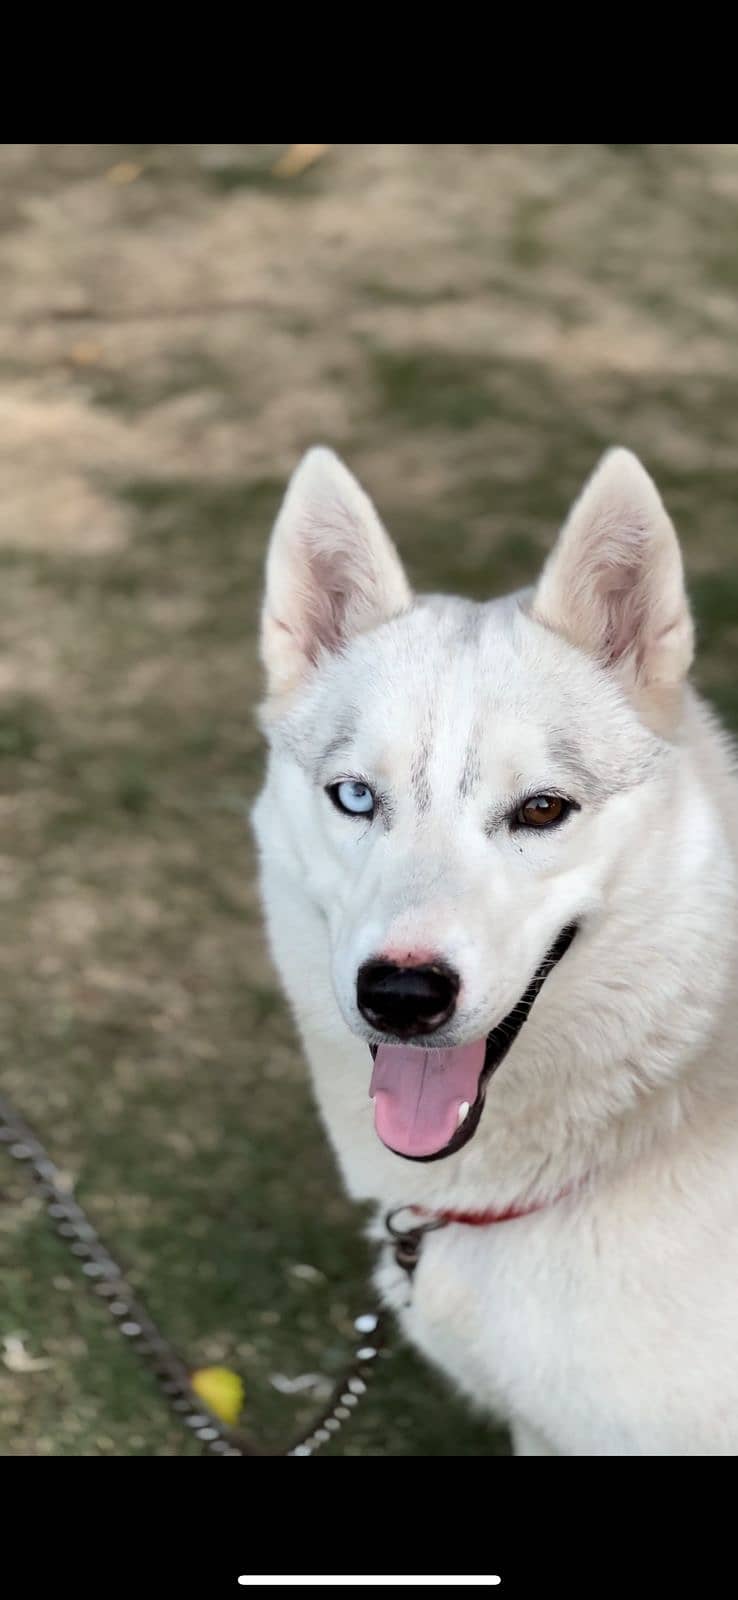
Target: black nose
<point>406,1000</point>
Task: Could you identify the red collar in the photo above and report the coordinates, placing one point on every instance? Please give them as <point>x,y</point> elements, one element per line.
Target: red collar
<point>407,1242</point>
<point>483,1219</point>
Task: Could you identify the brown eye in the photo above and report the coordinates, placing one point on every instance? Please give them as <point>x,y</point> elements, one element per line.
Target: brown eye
<point>542,811</point>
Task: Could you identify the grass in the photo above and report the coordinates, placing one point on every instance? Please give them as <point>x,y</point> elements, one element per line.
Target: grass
<point>133,392</point>
<point>22,720</point>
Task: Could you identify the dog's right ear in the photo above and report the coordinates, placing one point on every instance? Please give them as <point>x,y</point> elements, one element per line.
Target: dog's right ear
<point>332,571</point>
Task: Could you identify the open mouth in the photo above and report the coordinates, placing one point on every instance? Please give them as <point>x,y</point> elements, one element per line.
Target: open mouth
<point>428,1102</point>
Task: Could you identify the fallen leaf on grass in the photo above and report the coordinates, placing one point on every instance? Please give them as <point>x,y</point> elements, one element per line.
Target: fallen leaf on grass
<point>297,158</point>
<point>16,1357</point>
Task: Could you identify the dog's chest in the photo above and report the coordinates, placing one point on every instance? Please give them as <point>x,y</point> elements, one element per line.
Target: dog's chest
<point>487,1313</point>
<point>526,1330</point>
<point>603,1345</point>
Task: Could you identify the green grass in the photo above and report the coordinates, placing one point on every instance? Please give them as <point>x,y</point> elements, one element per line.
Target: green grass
<point>131,392</point>
<point>22,721</point>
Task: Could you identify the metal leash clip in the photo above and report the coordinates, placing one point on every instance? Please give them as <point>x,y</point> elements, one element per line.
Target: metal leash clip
<point>408,1241</point>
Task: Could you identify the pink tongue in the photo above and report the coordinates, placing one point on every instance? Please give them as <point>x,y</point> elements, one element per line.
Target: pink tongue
<point>417,1094</point>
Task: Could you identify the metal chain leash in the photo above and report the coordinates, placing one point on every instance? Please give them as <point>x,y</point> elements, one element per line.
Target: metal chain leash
<point>108,1281</point>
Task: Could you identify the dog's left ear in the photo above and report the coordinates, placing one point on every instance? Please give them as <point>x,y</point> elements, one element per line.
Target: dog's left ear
<point>614,586</point>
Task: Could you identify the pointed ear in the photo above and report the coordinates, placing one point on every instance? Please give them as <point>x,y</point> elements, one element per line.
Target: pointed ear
<point>614,586</point>
<point>332,571</point>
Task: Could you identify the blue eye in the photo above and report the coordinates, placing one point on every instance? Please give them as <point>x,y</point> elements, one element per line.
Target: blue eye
<point>355,798</point>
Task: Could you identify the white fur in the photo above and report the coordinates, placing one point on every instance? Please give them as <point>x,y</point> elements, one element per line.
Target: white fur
<point>607,1322</point>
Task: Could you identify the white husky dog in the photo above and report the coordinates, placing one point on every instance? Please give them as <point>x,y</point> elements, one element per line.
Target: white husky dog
<point>498,858</point>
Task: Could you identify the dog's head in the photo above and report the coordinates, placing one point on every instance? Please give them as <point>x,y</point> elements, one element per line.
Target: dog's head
<point>462,781</point>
